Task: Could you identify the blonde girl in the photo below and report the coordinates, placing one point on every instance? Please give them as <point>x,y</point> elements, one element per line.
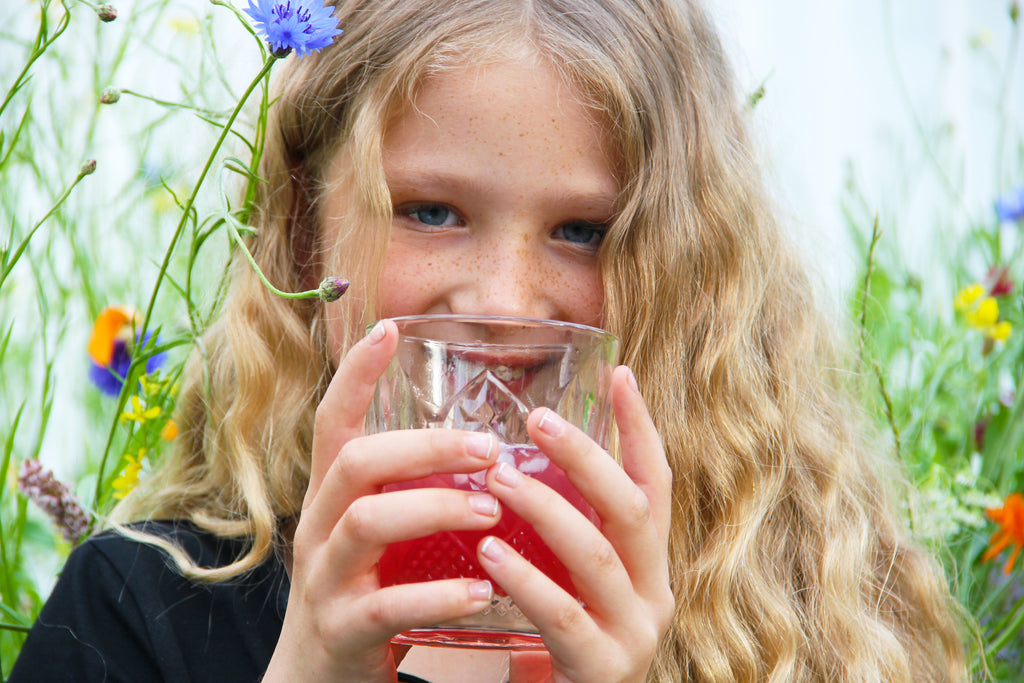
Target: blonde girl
<point>586,160</point>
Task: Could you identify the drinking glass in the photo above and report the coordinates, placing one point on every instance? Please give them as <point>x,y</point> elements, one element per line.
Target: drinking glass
<point>485,374</point>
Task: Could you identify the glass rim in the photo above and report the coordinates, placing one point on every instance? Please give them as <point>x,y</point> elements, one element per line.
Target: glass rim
<point>505,320</point>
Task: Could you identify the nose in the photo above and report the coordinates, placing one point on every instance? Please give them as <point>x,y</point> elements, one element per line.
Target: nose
<point>504,279</point>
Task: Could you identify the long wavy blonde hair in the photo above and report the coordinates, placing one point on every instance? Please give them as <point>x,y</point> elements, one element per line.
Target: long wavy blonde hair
<point>788,560</point>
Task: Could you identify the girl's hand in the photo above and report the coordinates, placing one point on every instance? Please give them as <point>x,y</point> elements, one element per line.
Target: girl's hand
<point>339,620</point>
<point>621,570</point>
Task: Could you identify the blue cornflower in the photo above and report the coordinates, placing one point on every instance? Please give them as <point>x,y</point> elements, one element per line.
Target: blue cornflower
<point>109,350</point>
<point>305,26</point>
<point>1011,207</point>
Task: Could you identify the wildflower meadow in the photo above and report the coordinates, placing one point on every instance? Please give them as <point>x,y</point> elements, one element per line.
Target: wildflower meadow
<point>129,138</point>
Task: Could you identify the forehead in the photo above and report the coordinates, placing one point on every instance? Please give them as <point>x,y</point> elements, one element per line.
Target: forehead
<point>519,111</point>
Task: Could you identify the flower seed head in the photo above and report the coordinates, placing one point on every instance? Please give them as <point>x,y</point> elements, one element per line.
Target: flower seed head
<point>332,289</point>
<point>110,96</point>
<point>106,13</point>
<point>38,484</point>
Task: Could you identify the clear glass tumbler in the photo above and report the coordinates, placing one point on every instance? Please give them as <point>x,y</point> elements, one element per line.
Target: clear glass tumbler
<point>486,373</point>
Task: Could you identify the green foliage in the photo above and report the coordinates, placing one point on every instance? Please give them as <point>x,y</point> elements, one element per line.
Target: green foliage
<point>111,210</point>
<point>944,381</point>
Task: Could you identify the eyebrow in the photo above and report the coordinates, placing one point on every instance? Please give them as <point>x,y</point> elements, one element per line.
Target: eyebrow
<point>441,182</point>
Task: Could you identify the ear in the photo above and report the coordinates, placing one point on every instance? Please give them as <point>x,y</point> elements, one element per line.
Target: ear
<point>303,228</point>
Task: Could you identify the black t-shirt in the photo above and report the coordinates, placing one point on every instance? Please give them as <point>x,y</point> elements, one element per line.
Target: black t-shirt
<point>121,612</point>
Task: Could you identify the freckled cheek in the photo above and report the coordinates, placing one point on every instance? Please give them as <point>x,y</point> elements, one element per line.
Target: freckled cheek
<point>410,280</point>
<point>576,293</point>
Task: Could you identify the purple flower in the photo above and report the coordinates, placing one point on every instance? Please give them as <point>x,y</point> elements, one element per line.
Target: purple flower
<point>1010,208</point>
<point>110,352</point>
<point>109,378</point>
<point>305,26</point>
<point>56,500</point>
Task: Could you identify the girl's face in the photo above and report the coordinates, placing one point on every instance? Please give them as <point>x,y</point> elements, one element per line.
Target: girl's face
<point>502,188</point>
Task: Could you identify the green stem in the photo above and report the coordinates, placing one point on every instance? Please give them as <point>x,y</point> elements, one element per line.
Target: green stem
<point>174,105</point>
<point>1009,631</point>
<point>865,291</point>
<point>38,48</point>
<point>259,273</point>
<point>8,262</point>
<point>889,413</point>
<point>233,229</point>
<point>15,627</point>
<point>186,213</point>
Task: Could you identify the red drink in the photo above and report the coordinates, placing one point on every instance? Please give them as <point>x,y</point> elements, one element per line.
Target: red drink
<point>452,554</point>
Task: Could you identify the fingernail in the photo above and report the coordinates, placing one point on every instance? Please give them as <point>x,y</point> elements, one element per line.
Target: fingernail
<point>492,550</point>
<point>551,424</point>
<point>631,380</point>
<point>481,590</point>
<point>508,475</point>
<point>377,333</point>
<point>484,504</point>
<point>479,444</point>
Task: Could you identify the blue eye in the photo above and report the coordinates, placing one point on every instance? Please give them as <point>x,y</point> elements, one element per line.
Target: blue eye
<point>586,234</point>
<point>434,215</point>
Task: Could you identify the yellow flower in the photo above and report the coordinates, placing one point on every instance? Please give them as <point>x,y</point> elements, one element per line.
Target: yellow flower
<point>184,25</point>
<point>129,477</point>
<point>985,314</point>
<point>1000,331</point>
<point>982,312</point>
<point>138,414</point>
<point>967,296</point>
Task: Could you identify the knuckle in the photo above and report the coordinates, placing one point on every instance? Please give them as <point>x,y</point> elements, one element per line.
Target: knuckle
<point>604,559</point>
<point>358,523</point>
<point>568,619</point>
<point>381,613</point>
<point>319,417</point>
<point>638,509</point>
<point>348,462</point>
<point>439,440</point>
<point>665,609</point>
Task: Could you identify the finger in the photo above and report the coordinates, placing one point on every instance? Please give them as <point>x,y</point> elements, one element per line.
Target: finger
<point>626,516</point>
<point>643,455</point>
<point>372,522</point>
<point>367,463</point>
<point>591,560</point>
<point>556,614</point>
<point>341,413</point>
<point>388,611</point>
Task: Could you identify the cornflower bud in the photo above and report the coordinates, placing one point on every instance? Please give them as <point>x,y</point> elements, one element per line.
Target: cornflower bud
<point>332,289</point>
<point>110,95</point>
<point>88,167</point>
<point>106,13</point>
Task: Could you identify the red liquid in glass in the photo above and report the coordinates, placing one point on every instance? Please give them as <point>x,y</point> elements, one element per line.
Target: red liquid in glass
<point>452,554</point>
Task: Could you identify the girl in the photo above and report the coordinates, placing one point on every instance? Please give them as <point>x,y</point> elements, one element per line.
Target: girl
<point>568,159</point>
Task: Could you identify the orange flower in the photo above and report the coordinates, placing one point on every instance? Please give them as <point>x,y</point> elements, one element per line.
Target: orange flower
<point>1010,519</point>
<point>169,431</point>
<point>112,325</point>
